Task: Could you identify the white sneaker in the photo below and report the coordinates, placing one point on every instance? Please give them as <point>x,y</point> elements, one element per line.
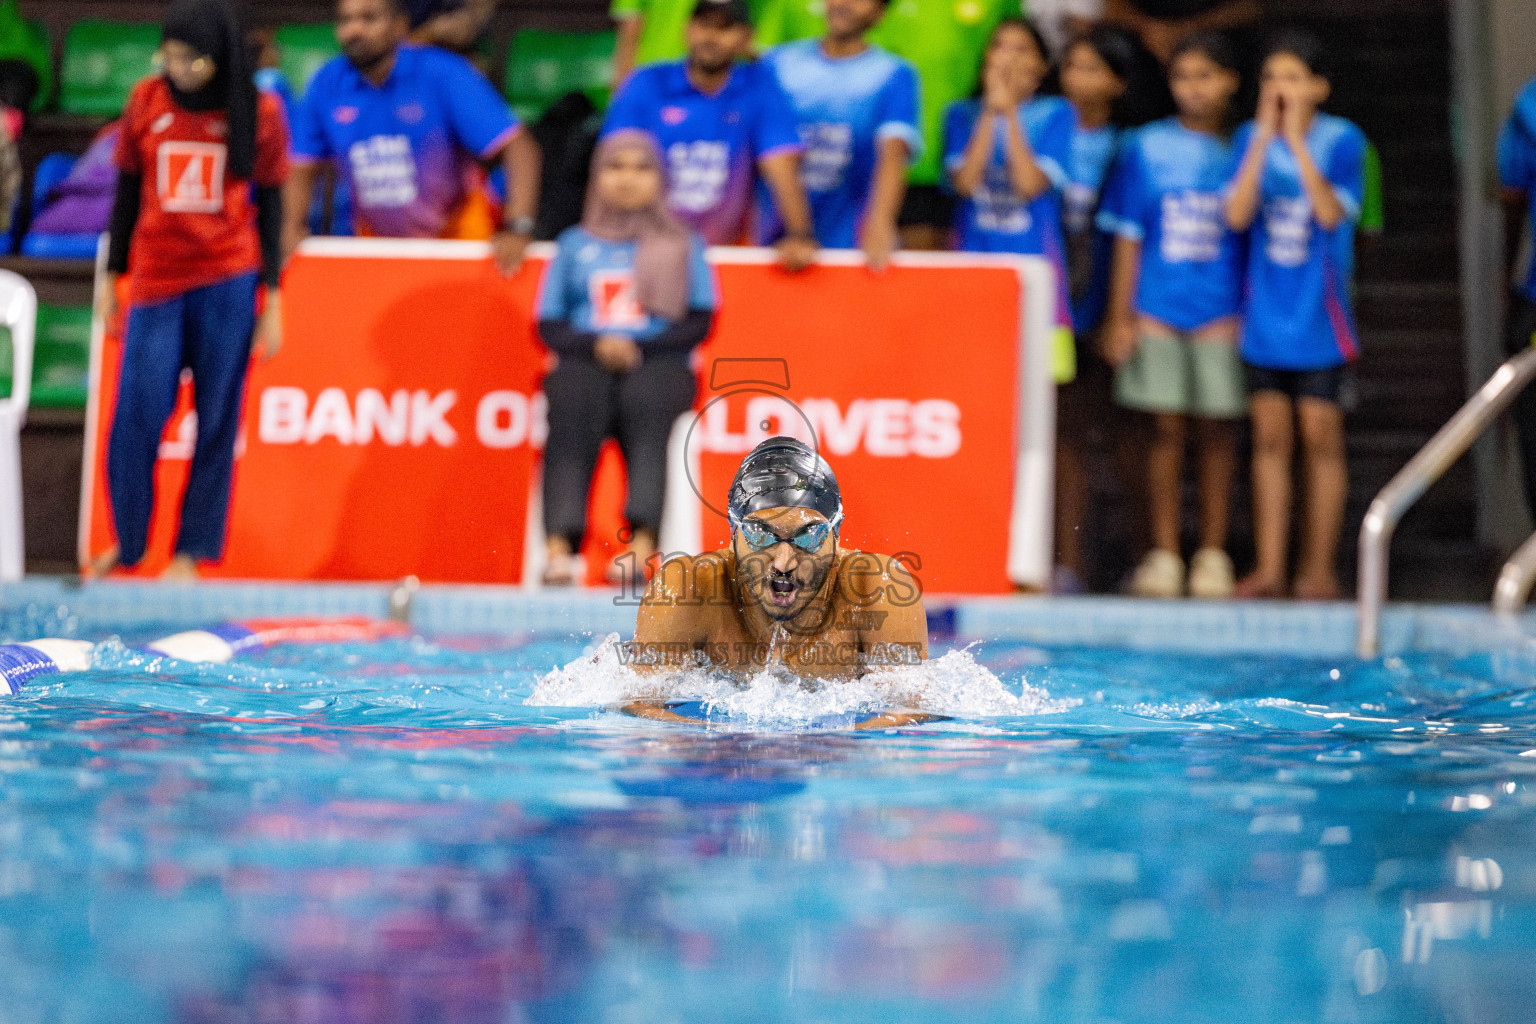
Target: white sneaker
<point>1160,574</point>
<point>1210,574</point>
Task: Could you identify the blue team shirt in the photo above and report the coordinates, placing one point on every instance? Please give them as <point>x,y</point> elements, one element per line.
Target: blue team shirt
<point>590,284</point>
<point>845,109</point>
<point>1167,194</point>
<point>712,143</point>
<point>408,148</point>
<point>1300,313</point>
<point>1517,162</point>
<point>1093,154</point>
<point>995,218</point>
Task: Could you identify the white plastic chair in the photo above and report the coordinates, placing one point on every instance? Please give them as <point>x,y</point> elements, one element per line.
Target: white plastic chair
<point>18,311</point>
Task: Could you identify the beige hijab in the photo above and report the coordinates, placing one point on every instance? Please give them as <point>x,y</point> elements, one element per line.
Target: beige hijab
<point>662,242</point>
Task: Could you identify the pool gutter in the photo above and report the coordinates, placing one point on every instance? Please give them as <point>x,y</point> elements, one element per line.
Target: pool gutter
<point>1214,627</point>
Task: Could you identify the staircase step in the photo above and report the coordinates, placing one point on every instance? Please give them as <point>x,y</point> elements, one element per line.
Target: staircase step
<point>1409,312</point>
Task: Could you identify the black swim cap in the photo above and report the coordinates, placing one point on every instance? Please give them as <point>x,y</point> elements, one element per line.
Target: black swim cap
<point>784,473</point>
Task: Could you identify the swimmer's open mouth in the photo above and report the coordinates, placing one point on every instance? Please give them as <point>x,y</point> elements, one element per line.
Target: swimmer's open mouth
<point>782,591</point>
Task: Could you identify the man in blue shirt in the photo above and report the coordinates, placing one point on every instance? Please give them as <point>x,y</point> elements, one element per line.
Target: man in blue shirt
<point>1517,174</point>
<point>857,109</point>
<point>720,125</point>
<point>409,129</point>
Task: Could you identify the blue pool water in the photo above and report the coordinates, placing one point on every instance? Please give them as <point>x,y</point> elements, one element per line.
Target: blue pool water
<point>388,832</point>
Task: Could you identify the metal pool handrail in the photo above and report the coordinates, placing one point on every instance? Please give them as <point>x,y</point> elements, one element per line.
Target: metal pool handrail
<point>1414,479</point>
<point>1515,579</point>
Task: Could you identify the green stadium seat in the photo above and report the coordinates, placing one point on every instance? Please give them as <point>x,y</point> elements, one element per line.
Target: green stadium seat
<point>103,60</point>
<point>62,356</point>
<point>542,66</point>
<point>301,49</point>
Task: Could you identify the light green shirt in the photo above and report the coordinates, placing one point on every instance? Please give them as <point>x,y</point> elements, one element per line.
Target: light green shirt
<point>784,21</point>
<point>661,36</point>
<point>945,41</point>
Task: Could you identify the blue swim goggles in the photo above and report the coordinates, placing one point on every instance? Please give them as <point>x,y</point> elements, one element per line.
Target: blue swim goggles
<point>759,536</point>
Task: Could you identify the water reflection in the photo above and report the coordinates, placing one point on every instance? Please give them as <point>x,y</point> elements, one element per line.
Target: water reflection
<point>399,846</point>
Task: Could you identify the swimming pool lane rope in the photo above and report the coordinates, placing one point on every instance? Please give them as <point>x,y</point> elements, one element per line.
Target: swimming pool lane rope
<point>20,663</point>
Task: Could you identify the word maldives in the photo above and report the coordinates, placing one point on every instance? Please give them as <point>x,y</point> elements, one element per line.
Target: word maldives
<point>883,427</point>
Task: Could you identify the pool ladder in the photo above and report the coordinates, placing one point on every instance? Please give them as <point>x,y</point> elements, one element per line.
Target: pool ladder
<point>1410,483</point>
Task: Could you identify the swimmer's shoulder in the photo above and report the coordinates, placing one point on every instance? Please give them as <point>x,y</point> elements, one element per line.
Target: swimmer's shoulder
<point>686,580</point>
<point>883,600</point>
<point>684,599</point>
<point>874,580</point>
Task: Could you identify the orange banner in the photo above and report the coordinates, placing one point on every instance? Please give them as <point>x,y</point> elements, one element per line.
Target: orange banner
<point>397,431</point>
<point>905,380</point>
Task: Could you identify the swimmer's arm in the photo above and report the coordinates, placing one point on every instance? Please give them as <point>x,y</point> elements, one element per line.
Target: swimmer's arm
<point>897,637</point>
<point>670,622</point>
<point>903,620</point>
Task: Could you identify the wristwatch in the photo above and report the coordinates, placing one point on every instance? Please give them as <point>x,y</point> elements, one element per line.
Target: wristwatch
<point>519,225</point>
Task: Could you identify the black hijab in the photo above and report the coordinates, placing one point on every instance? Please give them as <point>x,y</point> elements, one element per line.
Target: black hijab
<point>213,29</point>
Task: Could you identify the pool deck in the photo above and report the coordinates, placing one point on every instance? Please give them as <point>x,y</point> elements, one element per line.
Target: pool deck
<point>1324,629</point>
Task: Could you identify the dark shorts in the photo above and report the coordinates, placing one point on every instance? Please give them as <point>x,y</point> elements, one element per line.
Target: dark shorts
<point>927,204</point>
<point>1335,384</point>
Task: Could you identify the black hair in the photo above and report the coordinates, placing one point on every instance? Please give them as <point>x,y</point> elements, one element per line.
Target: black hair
<point>213,28</point>
<point>1213,46</point>
<point>1013,21</point>
<point>1028,25</point>
<point>1218,48</point>
<point>1305,46</point>
<point>402,9</point>
<point>1146,97</point>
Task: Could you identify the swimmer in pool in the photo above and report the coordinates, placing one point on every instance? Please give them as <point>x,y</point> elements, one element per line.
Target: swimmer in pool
<point>784,593</point>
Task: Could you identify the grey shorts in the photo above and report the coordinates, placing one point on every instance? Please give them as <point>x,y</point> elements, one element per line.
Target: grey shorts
<point>1174,373</point>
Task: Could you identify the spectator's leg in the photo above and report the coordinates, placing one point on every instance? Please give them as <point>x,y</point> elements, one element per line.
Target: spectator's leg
<point>146,397</point>
<point>1221,398</point>
<point>219,322</point>
<point>1218,464</point>
<point>1165,478</point>
<point>1273,439</point>
<point>1130,438</point>
<point>1159,379</point>
<point>650,400</point>
<point>1322,446</point>
<point>579,393</point>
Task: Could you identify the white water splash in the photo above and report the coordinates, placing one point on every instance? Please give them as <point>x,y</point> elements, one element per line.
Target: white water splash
<point>953,685</point>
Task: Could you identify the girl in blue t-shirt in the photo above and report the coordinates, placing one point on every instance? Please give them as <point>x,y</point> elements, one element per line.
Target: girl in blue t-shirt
<point>1110,80</point>
<point>1172,326</point>
<point>625,300</point>
<point>1114,84</point>
<point>1299,189</point>
<point>1006,152</point>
